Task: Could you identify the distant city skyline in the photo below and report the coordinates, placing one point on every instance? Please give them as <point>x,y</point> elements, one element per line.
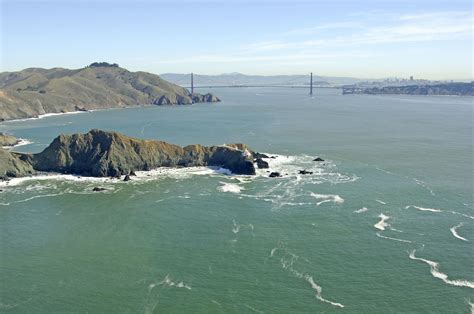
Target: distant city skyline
<point>363,39</point>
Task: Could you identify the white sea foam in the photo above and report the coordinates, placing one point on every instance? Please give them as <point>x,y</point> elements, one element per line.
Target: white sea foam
<point>327,198</point>
<point>21,142</point>
<point>319,290</point>
<point>454,232</point>
<point>361,210</point>
<point>170,283</point>
<point>381,202</point>
<point>444,277</point>
<point>382,224</point>
<point>434,210</point>
<point>230,187</point>
<point>390,238</point>
<point>141,176</point>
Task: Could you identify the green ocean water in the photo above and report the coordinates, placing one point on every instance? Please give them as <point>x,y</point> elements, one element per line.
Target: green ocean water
<point>384,225</point>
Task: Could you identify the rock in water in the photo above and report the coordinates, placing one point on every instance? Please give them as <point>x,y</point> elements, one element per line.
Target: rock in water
<point>98,189</point>
<point>318,159</point>
<point>262,164</point>
<point>110,154</point>
<point>305,172</point>
<point>127,178</point>
<point>275,175</point>
<point>260,156</point>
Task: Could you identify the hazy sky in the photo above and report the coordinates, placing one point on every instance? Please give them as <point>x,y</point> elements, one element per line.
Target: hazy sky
<point>427,39</point>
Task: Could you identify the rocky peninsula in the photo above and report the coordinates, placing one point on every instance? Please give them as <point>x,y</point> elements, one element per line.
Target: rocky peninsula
<point>110,154</point>
<point>35,91</point>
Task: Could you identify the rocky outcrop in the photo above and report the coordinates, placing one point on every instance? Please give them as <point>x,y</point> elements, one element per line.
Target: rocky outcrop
<point>14,165</point>
<point>110,154</point>
<point>35,91</point>
<point>261,164</point>
<point>205,98</point>
<point>8,140</point>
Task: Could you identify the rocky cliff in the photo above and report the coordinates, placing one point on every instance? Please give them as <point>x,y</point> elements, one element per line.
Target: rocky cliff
<point>35,91</point>
<point>103,154</point>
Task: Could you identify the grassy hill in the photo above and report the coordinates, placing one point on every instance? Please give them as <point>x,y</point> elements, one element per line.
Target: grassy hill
<point>36,91</point>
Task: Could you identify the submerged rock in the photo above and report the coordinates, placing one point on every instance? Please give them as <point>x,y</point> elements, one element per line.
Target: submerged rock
<point>305,172</point>
<point>98,189</point>
<point>275,175</point>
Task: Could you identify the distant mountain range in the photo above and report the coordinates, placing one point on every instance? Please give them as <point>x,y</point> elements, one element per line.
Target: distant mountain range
<point>454,89</point>
<point>36,91</point>
<point>238,79</point>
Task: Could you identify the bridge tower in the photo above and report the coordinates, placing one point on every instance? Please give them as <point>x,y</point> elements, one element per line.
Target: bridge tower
<point>192,87</point>
<point>311,84</point>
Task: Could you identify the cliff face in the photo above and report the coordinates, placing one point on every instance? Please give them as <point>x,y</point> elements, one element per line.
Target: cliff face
<point>103,154</point>
<point>14,165</point>
<point>35,91</point>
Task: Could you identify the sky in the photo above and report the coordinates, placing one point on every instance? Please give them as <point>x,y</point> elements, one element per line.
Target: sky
<point>366,39</point>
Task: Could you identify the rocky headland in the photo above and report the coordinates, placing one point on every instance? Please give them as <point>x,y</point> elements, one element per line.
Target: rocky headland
<point>35,91</point>
<point>110,154</point>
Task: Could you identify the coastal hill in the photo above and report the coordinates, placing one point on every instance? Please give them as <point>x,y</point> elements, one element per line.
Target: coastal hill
<point>109,154</point>
<point>36,91</point>
<point>455,89</point>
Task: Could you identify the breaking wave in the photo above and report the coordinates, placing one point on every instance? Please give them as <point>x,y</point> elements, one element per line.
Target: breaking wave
<point>327,198</point>
<point>381,225</point>
<point>361,210</point>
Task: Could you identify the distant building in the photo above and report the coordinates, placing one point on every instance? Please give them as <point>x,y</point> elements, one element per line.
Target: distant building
<point>411,78</point>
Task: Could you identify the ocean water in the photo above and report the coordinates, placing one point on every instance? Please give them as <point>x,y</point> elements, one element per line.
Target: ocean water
<point>384,225</point>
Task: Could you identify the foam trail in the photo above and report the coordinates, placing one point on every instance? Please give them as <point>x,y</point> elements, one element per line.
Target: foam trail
<point>454,232</point>
<point>437,274</point>
<point>361,210</point>
<point>461,214</point>
<point>327,198</point>
<point>423,184</point>
<point>381,202</point>
<point>168,282</point>
<point>318,289</point>
<point>273,251</point>
<point>382,224</point>
<point>434,210</point>
<point>235,227</point>
<point>287,262</point>
<point>389,238</point>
